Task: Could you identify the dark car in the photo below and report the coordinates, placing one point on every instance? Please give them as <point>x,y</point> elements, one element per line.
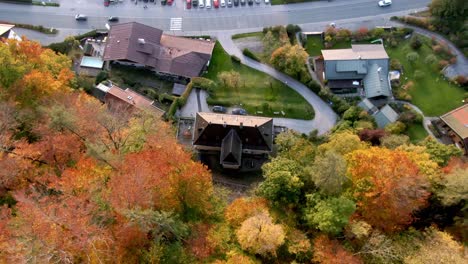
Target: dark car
<point>236,2</point>
<point>219,109</point>
<point>113,19</point>
<point>163,2</point>
<point>242,2</point>
<point>194,3</point>
<point>250,2</point>
<point>239,111</point>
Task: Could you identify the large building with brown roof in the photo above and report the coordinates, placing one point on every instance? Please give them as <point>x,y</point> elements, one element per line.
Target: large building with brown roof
<point>144,46</point>
<point>233,136</point>
<point>363,66</point>
<point>456,123</point>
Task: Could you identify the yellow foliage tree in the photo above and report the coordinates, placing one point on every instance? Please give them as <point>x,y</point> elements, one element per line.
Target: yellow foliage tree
<point>259,235</point>
<point>343,143</point>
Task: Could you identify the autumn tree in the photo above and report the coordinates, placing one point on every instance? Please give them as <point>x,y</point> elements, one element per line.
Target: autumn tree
<point>242,208</point>
<point>327,251</point>
<point>293,146</point>
<point>290,59</point>
<point>329,214</point>
<point>259,235</point>
<point>394,141</point>
<point>342,143</point>
<point>328,173</point>
<point>437,247</point>
<point>454,187</point>
<point>299,245</point>
<point>230,79</point>
<point>388,187</point>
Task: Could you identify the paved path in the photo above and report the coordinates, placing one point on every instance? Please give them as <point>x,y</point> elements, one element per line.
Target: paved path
<point>460,67</point>
<point>324,119</point>
<point>426,119</point>
<point>196,102</point>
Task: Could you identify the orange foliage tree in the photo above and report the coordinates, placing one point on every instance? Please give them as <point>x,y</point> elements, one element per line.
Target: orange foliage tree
<point>327,251</point>
<point>388,187</point>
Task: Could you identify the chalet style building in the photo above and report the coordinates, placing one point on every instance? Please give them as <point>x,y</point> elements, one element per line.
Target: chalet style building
<point>360,67</point>
<point>233,136</point>
<point>456,125</point>
<point>138,45</point>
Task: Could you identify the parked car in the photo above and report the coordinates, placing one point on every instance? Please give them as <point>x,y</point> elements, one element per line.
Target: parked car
<point>189,4</point>
<point>229,3</point>
<point>216,3</point>
<point>201,4</point>
<point>169,2</point>
<point>250,2</point>
<point>113,19</point>
<point>207,3</point>
<point>385,3</point>
<point>257,2</point>
<point>194,3</point>
<point>223,3</point>
<point>163,2</point>
<point>106,2</point>
<point>267,1</point>
<point>81,17</point>
<point>242,2</point>
<point>219,109</point>
<point>236,2</point>
<point>239,111</point>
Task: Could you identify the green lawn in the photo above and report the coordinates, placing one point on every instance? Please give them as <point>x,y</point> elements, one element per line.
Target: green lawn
<point>416,132</point>
<point>431,93</point>
<point>246,35</point>
<point>314,45</point>
<point>257,92</point>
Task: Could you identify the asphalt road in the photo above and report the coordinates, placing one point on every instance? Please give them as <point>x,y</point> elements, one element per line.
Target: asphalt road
<point>196,19</point>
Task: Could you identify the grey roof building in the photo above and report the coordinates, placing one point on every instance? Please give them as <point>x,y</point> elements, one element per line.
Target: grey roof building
<point>385,116</point>
<point>361,66</point>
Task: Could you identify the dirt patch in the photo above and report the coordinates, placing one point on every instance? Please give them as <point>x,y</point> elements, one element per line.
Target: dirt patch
<point>252,43</point>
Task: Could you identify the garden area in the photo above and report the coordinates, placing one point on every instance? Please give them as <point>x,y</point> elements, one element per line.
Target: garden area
<point>419,59</point>
<point>144,82</point>
<point>257,92</point>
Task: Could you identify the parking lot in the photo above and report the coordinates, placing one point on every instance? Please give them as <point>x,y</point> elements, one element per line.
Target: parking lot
<point>188,5</point>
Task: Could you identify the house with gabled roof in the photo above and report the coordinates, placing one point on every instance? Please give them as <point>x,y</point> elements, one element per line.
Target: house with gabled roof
<point>6,31</point>
<point>140,45</point>
<point>363,66</point>
<point>115,96</point>
<point>232,136</point>
<point>456,124</point>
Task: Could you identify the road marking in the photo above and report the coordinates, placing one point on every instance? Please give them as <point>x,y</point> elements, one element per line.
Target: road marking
<point>176,23</point>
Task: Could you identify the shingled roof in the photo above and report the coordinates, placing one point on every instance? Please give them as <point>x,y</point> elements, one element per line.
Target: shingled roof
<point>150,47</point>
<point>457,120</point>
<point>254,132</point>
<point>357,51</point>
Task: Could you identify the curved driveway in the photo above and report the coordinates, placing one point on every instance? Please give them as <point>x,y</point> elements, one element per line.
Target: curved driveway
<point>200,20</point>
<point>324,118</point>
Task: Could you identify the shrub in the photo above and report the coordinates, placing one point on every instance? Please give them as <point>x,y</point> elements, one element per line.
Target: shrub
<point>235,59</point>
<point>250,54</point>
<point>412,57</point>
<point>461,80</point>
<point>102,76</point>
<point>420,22</point>
<point>430,59</point>
<point>395,64</point>
<point>361,34</point>
<point>416,42</point>
<point>395,128</point>
<point>292,30</point>
<point>418,75</point>
<point>314,86</point>
<point>343,34</point>
<point>443,64</point>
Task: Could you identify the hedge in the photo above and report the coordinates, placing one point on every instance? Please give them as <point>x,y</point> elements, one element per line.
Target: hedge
<point>250,54</point>
<point>179,102</point>
<point>235,59</point>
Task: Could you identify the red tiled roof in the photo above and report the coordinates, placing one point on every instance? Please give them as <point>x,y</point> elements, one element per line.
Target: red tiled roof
<point>132,98</point>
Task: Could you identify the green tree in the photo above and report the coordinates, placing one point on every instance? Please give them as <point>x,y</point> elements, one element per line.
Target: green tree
<point>454,187</point>
<point>230,79</point>
<point>281,187</point>
<point>412,57</point>
<point>329,215</point>
<point>342,143</point>
<point>328,173</point>
<point>440,153</point>
<point>394,141</point>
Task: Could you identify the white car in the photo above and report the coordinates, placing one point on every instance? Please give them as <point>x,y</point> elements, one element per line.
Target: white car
<point>81,17</point>
<point>267,2</point>
<point>208,4</point>
<point>223,3</point>
<point>201,4</point>
<point>385,3</point>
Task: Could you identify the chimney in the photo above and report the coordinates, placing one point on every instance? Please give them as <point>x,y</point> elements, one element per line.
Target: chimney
<point>241,125</point>
<point>141,41</point>
<point>224,124</point>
